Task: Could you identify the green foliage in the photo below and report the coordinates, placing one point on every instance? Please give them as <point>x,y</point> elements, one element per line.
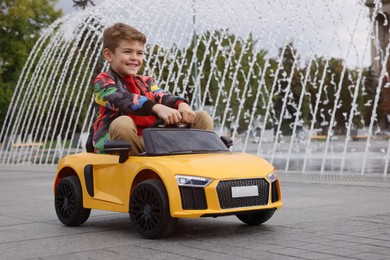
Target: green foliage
<point>237,80</point>
<point>321,92</point>
<point>20,25</point>
<point>314,92</point>
<point>241,83</point>
<point>219,69</point>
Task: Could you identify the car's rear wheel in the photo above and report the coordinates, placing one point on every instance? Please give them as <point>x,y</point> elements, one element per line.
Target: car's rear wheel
<point>254,219</point>
<point>69,202</point>
<point>149,209</point>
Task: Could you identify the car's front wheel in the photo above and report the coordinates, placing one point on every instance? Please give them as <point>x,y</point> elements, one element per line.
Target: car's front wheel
<point>149,209</point>
<point>254,219</point>
<point>68,202</point>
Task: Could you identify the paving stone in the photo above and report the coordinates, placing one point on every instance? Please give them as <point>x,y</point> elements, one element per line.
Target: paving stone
<point>371,256</point>
<point>316,255</point>
<point>322,218</point>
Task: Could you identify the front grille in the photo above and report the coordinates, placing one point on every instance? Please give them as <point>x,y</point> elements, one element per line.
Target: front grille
<point>226,200</point>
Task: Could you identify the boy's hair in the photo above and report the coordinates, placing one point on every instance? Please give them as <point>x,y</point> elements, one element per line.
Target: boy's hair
<point>120,31</point>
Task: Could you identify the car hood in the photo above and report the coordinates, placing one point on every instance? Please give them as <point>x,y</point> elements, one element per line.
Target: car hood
<point>217,166</point>
<point>225,165</point>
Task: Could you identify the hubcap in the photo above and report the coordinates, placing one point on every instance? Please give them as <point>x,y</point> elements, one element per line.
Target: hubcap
<point>65,201</point>
<point>146,209</point>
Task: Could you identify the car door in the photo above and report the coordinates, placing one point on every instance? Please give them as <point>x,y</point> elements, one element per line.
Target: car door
<point>110,182</point>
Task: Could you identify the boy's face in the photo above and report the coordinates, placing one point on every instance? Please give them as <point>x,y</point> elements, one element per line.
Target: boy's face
<point>127,59</point>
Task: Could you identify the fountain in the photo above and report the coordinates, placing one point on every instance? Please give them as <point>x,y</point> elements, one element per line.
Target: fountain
<point>288,80</point>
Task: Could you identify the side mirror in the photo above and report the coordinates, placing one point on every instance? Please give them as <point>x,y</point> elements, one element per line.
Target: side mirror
<point>227,141</point>
<point>118,146</point>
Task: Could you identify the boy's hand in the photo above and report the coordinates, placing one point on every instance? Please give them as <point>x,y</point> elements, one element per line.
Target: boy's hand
<point>188,115</point>
<point>169,115</point>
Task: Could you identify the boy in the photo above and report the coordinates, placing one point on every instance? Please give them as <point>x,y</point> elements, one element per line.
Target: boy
<point>125,102</point>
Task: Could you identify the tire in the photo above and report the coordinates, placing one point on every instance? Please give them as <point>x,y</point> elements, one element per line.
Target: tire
<point>149,210</point>
<point>68,202</point>
<point>255,219</point>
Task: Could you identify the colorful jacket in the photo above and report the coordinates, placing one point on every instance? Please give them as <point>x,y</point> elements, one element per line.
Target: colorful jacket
<point>133,96</point>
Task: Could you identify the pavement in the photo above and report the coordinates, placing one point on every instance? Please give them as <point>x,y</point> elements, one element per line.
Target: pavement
<point>325,216</point>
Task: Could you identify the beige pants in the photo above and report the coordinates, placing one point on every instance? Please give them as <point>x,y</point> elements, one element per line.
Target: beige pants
<point>124,128</point>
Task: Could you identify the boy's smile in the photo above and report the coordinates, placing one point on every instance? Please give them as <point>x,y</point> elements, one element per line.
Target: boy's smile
<point>127,59</point>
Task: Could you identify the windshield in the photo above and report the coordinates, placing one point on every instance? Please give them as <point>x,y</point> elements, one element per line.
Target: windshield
<point>179,141</point>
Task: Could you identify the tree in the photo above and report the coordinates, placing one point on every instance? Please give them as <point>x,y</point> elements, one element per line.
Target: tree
<point>224,61</point>
<point>20,25</point>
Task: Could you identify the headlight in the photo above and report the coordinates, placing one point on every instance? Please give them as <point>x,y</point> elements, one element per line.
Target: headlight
<point>192,181</point>
<point>272,177</point>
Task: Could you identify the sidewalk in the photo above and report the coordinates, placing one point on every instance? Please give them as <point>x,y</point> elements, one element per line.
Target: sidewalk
<point>324,217</point>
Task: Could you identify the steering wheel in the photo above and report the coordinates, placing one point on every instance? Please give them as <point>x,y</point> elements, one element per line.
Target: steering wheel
<point>160,123</point>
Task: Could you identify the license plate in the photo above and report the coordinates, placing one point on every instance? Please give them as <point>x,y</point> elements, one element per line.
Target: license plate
<point>244,191</point>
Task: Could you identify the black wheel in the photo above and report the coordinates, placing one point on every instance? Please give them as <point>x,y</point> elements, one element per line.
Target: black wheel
<point>69,202</point>
<point>254,219</point>
<point>149,209</point>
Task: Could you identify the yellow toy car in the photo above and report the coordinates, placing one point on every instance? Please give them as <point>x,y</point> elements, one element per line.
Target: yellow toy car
<point>184,173</point>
